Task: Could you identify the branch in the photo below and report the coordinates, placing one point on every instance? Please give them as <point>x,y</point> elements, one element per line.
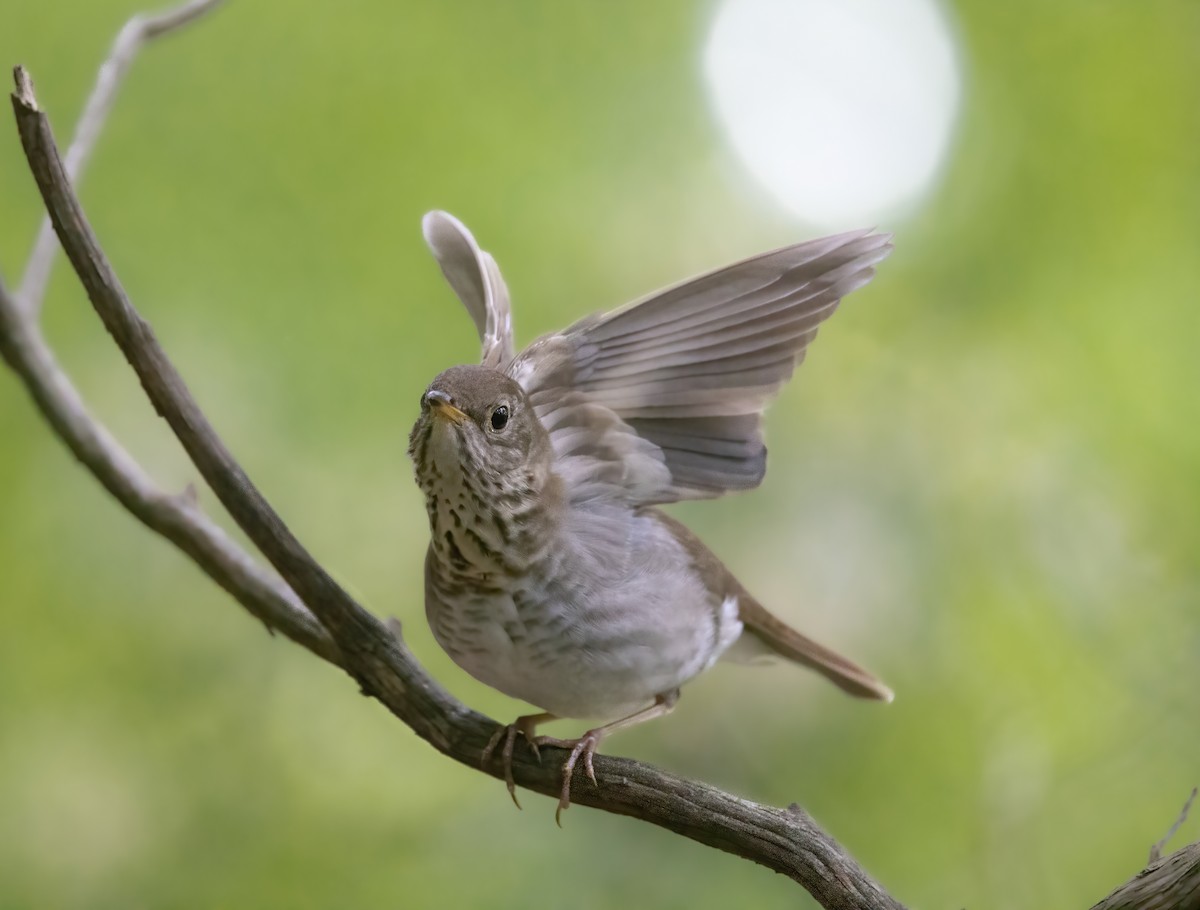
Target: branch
<point>137,32</point>
<point>177,517</point>
<point>1156,851</point>
<point>787,841</point>
<point>1166,884</point>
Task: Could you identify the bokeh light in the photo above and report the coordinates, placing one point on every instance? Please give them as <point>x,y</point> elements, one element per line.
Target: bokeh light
<point>981,482</point>
<point>842,109</point>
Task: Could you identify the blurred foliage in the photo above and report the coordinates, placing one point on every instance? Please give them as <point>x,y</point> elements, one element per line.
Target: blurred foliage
<point>984,481</point>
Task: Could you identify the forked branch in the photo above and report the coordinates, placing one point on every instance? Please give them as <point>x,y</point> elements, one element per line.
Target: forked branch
<point>786,840</point>
<point>308,606</point>
<point>136,33</point>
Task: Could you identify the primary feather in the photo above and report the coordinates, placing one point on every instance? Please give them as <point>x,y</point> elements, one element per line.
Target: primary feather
<point>476,279</point>
<point>662,400</point>
<point>690,369</point>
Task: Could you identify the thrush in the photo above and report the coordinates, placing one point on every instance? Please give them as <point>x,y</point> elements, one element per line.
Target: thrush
<point>551,575</point>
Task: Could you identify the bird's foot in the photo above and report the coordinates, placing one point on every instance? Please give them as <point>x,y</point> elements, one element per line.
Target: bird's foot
<point>526,725</point>
<point>584,747</point>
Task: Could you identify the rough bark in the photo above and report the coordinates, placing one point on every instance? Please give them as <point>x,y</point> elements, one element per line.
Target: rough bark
<point>305,604</point>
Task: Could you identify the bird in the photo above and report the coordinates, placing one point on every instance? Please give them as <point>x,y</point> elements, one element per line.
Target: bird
<point>552,574</point>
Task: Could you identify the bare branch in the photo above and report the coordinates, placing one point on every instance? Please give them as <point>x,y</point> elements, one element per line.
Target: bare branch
<point>787,841</point>
<point>137,32</point>
<point>1156,852</point>
<point>1166,884</point>
<point>177,518</point>
<point>165,387</point>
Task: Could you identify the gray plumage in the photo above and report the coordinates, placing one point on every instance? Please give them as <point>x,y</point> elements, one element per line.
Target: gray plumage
<point>550,576</point>
<point>691,368</point>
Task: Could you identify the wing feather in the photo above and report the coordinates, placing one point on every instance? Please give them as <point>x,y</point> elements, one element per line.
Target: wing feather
<point>677,382</point>
<point>475,277</point>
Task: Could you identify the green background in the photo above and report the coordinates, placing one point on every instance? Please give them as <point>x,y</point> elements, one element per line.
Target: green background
<point>984,481</point>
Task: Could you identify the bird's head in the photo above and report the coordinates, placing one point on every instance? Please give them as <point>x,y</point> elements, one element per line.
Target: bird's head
<point>478,424</point>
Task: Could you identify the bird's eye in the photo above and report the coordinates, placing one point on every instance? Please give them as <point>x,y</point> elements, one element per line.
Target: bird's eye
<point>500,418</point>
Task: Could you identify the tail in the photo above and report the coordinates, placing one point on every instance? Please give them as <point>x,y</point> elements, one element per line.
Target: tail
<point>785,641</point>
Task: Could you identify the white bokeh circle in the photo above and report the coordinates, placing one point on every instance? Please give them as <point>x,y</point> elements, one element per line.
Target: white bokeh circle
<point>842,109</point>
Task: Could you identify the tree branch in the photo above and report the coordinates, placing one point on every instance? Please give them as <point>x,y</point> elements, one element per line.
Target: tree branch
<point>137,32</point>
<point>132,37</point>
<point>310,608</point>
<point>1156,851</point>
<point>785,840</point>
<point>1172,883</point>
<point>176,517</point>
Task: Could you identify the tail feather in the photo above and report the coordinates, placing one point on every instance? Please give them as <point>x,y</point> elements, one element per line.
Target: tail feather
<point>785,641</point>
<point>766,634</point>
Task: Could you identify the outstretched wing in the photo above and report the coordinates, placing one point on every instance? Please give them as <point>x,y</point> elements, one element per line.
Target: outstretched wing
<point>475,278</point>
<point>663,398</point>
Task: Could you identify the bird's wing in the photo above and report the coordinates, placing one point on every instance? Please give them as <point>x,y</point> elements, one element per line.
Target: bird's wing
<point>675,384</point>
<point>475,278</point>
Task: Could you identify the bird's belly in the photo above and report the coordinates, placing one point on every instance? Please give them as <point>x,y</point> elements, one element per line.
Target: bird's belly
<point>597,654</point>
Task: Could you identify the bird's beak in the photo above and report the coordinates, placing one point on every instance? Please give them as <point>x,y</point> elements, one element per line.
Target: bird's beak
<point>443,406</point>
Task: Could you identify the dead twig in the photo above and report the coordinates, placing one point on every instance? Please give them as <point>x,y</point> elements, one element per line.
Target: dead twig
<point>1156,852</point>
<point>136,34</point>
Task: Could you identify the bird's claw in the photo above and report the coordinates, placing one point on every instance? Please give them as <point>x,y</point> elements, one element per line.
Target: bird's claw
<point>584,747</point>
<point>509,735</point>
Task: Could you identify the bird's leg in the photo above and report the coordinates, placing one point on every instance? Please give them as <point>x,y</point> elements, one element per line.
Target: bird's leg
<point>587,744</point>
<point>526,724</point>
